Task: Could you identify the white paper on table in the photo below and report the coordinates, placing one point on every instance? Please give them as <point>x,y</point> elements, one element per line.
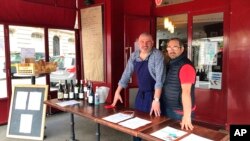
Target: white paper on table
<point>67,103</point>
<point>21,100</point>
<point>34,101</point>
<point>193,137</point>
<point>25,123</point>
<point>168,133</point>
<point>115,118</point>
<point>135,123</point>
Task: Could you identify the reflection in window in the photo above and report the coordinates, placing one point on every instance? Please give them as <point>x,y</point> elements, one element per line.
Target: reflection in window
<point>23,37</point>
<point>164,32</point>
<point>207,50</point>
<point>56,46</point>
<point>62,51</point>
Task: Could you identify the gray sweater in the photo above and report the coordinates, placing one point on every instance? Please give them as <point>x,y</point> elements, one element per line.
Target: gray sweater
<point>156,67</point>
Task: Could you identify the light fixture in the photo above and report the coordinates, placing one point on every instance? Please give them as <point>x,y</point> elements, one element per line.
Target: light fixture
<point>168,25</point>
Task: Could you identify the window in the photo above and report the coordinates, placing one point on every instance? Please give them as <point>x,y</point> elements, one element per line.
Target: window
<point>62,51</point>
<point>207,50</point>
<point>25,37</point>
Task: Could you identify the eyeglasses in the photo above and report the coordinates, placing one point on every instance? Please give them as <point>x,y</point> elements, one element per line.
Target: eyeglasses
<point>173,48</point>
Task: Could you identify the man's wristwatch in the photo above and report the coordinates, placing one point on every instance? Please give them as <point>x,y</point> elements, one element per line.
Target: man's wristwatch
<point>156,99</point>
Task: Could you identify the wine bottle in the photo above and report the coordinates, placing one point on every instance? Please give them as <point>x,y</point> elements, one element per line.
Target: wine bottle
<point>198,75</point>
<point>88,84</point>
<point>91,95</point>
<point>76,89</point>
<point>81,91</point>
<point>65,91</point>
<point>71,90</point>
<point>60,92</point>
<point>97,99</point>
<point>86,93</point>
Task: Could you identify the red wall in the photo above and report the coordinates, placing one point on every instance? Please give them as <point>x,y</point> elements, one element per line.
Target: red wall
<point>239,66</point>
<point>50,13</point>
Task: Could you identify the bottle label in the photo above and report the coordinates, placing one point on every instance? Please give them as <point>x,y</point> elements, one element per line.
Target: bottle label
<point>65,96</point>
<point>71,95</point>
<point>59,95</point>
<point>76,89</point>
<point>90,99</point>
<point>80,95</point>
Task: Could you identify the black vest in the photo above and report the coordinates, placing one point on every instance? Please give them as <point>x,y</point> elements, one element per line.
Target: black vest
<point>171,96</point>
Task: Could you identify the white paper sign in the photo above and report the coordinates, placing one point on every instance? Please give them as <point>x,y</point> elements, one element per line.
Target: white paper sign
<point>34,101</point>
<point>193,137</point>
<point>215,79</point>
<point>115,118</point>
<point>168,134</point>
<point>25,123</point>
<point>67,103</point>
<point>135,123</point>
<point>21,100</point>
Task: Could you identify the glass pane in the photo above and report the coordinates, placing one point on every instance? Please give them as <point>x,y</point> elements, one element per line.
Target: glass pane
<point>169,27</point>
<point>3,83</point>
<point>207,50</point>
<point>21,38</point>
<point>62,51</point>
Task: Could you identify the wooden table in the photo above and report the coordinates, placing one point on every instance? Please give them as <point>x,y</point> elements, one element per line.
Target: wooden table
<point>97,112</point>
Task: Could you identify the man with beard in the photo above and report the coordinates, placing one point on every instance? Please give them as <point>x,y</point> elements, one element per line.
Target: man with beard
<point>177,99</point>
<point>148,64</point>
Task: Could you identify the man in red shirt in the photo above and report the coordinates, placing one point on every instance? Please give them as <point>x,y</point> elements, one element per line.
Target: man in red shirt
<point>177,99</point>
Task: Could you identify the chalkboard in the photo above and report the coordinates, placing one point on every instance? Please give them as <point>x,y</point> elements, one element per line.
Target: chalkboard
<point>27,112</point>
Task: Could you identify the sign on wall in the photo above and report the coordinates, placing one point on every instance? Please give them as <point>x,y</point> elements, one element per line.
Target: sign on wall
<point>92,43</point>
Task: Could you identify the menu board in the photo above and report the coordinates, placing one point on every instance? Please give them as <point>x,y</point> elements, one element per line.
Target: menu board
<point>27,112</point>
<point>92,43</point>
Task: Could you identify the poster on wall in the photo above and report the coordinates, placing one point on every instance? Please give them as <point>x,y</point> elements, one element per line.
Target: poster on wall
<point>92,43</point>
<point>215,79</point>
<point>207,52</point>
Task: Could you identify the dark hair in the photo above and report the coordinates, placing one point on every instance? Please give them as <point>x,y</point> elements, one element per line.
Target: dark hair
<point>176,39</point>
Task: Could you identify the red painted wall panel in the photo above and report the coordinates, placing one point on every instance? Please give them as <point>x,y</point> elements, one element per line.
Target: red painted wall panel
<point>138,7</point>
<point>239,66</point>
<point>28,13</point>
<point>4,108</point>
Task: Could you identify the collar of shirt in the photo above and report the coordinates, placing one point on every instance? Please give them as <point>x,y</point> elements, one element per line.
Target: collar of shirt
<point>137,55</point>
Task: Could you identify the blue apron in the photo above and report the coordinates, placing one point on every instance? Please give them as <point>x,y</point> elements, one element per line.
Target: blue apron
<point>146,85</point>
